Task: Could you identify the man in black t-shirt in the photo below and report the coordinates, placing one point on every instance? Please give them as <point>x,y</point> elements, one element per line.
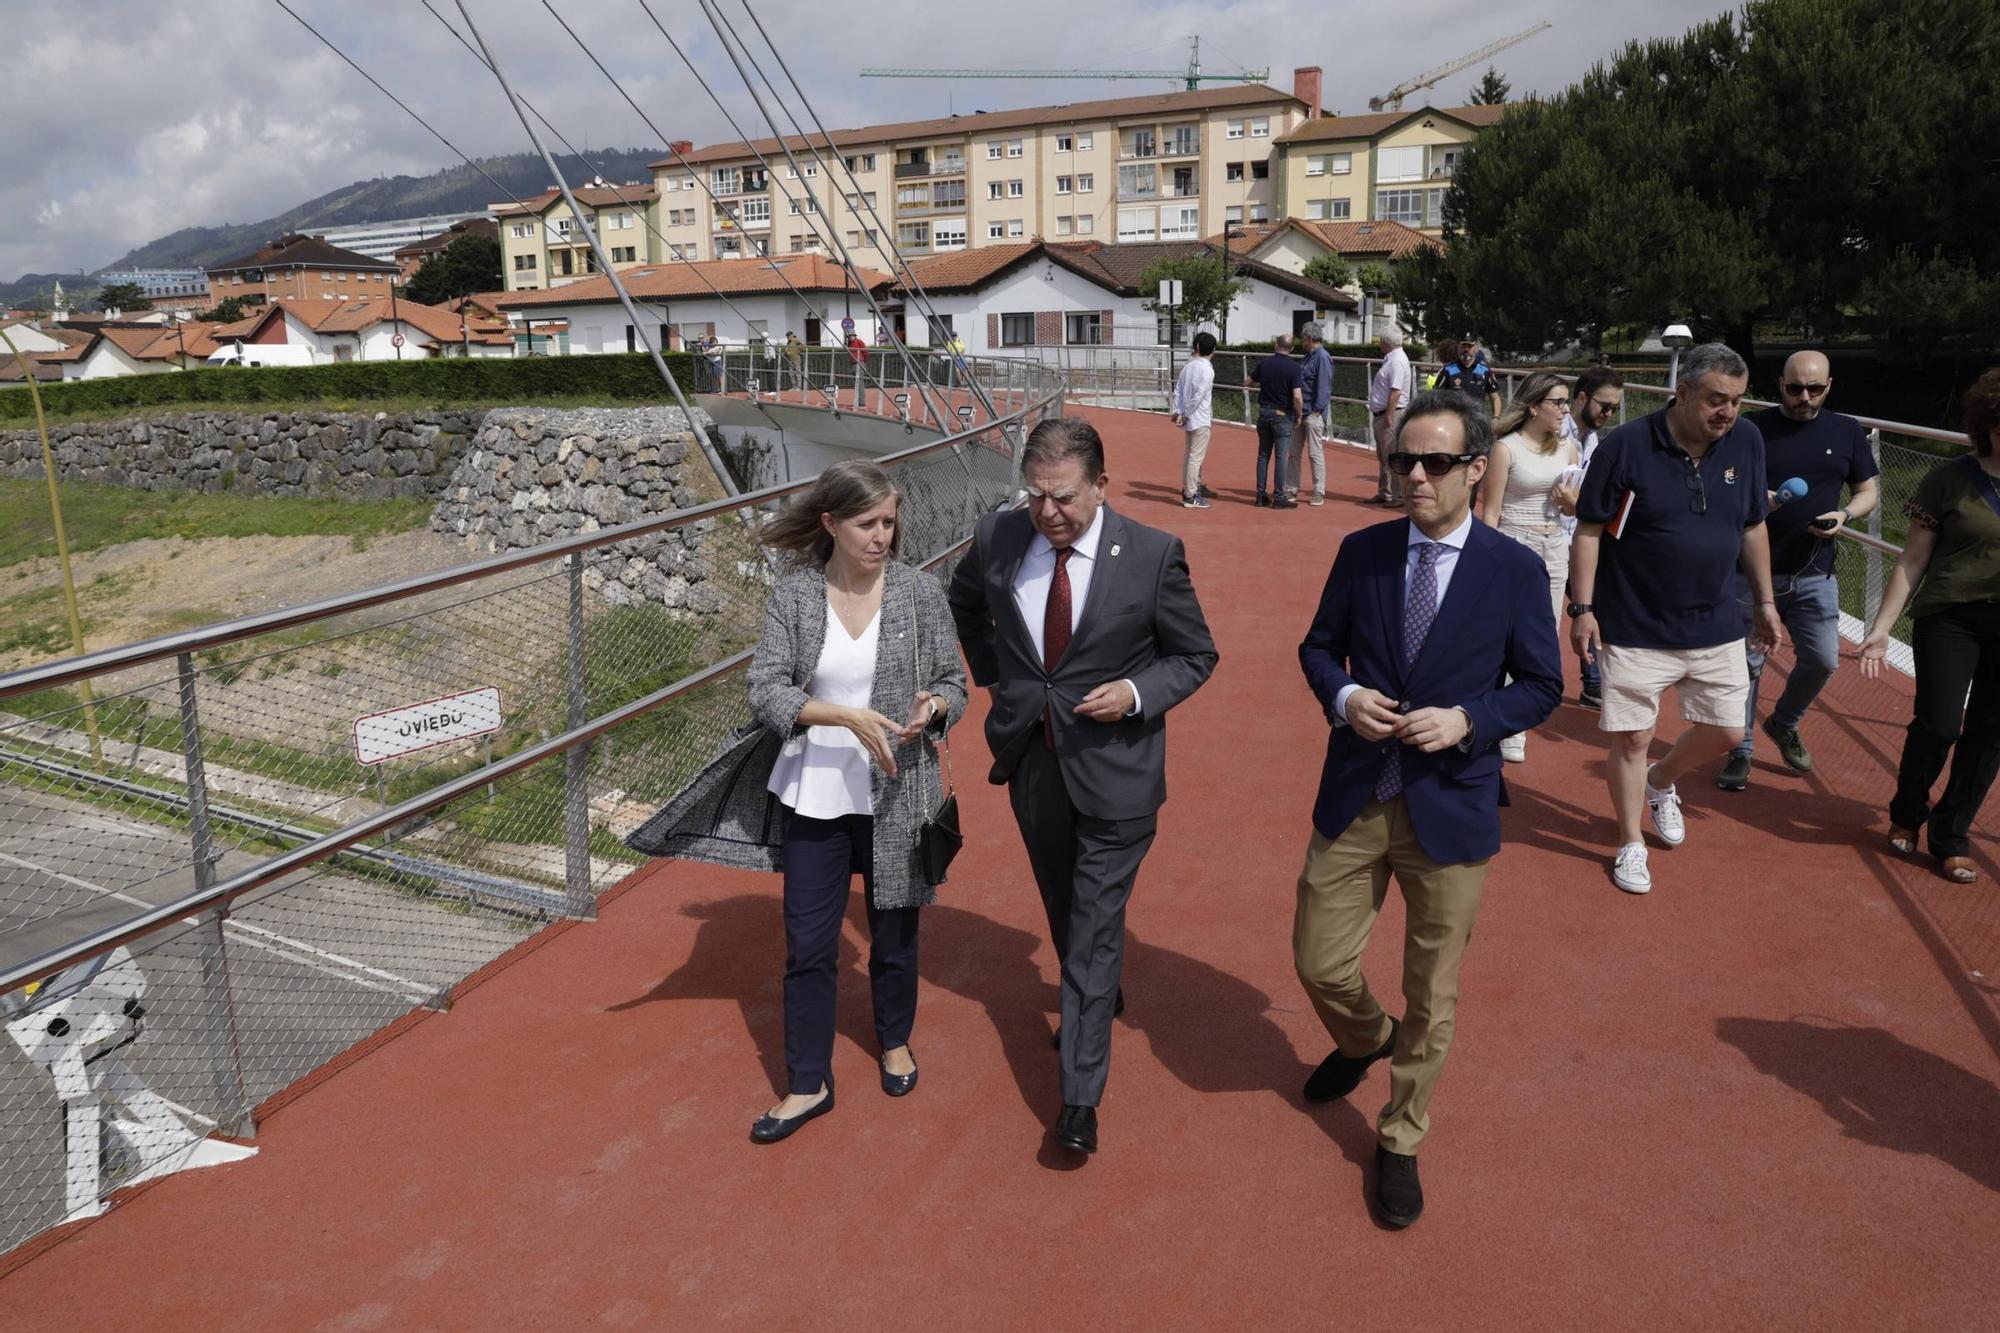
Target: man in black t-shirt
<point>1471,375</point>
<point>1280,409</point>
<point>1828,452</point>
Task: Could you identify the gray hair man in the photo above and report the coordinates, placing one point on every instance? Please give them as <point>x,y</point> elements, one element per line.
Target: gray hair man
<point>1679,493</point>
<point>1388,398</point>
<point>1827,453</point>
<point>1318,399</point>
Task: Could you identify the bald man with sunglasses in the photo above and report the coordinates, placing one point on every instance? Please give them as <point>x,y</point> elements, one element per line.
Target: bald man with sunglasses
<point>1422,619</point>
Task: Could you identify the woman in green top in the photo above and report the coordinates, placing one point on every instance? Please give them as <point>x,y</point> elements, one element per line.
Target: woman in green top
<point>1952,559</point>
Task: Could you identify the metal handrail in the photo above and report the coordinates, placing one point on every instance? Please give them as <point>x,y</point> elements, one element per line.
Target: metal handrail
<point>67,670</point>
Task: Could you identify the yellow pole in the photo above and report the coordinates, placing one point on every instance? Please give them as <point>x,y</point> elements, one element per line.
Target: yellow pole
<point>62,543</point>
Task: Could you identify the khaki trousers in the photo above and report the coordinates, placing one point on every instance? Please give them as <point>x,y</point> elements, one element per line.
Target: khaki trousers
<point>1197,454</point>
<point>1384,425</point>
<point>1340,894</point>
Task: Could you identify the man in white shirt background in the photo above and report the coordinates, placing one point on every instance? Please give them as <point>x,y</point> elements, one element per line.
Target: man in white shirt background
<point>1194,394</point>
<point>1388,397</point>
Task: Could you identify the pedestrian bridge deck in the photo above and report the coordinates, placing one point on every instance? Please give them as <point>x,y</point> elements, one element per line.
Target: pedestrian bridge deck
<point>1764,1094</point>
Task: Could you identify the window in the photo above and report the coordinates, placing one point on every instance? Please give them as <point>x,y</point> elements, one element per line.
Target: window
<point>811,170</point>
<point>1399,164</point>
<point>1065,143</point>
<point>688,251</point>
<point>1137,224</point>
<point>1444,162</point>
<point>1083,328</point>
<point>1260,171</point>
<point>1182,141</point>
<point>1086,181</point>
<point>866,199</point>
<point>861,162</point>
<point>1065,225</point>
<point>864,236</point>
<point>725,180</point>
<point>1017,330</point>
<point>1013,148</point>
<point>801,242</point>
<point>1085,224</point>
<point>1016,230</point>
<point>1233,172</point>
<point>913,196</point>
<point>1260,127</point>
<point>1138,143</point>
<point>521,230</point>
<point>1234,130</point>
<point>1014,189</point>
<point>940,327</point>
<point>760,246</point>
<point>687,182</point>
<point>753,212</point>
<point>948,194</point>
<point>1316,165</point>
<point>995,151</point>
<point>1412,208</point>
<point>1181,224</point>
<point>522,264</point>
<point>1085,142</point>
<point>1326,210</point>
<point>1065,184</point>
<point>1233,213</point>
<point>560,227</point>
<point>948,235</point>
<point>996,190</point>
<point>996,231</point>
<point>621,222</point>
<point>806,205</point>
<point>1137,182</point>
<point>913,235</point>
<point>624,254</point>
<point>1260,212</point>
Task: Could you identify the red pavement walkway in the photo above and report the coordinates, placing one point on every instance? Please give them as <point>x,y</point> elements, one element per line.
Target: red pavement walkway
<point>1765,1095</point>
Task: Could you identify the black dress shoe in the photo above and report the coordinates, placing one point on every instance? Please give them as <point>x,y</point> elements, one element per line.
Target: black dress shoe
<point>901,1085</point>
<point>1117,1008</point>
<point>1339,1074</point>
<point>772,1129</point>
<point>1399,1195</point>
<point>1076,1129</point>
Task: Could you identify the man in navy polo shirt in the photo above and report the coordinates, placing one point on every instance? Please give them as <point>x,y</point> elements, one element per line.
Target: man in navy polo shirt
<point>1280,409</point>
<point>1672,505</point>
<point>1471,374</point>
<point>1827,451</point>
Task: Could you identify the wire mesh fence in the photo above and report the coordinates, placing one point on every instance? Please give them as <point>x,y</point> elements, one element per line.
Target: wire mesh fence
<point>273,809</point>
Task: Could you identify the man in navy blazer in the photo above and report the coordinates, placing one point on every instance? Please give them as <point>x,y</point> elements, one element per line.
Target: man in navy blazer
<point>1434,639</point>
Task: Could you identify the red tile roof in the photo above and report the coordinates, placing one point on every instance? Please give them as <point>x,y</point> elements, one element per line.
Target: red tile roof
<point>1386,240</point>
<point>592,196</point>
<point>977,123</point>
<point>732,277</point>
<point>434,244</point>
<point>963,270</point>
<point>1328,128</point>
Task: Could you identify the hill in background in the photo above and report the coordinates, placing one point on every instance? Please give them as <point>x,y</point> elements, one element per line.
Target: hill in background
<point>453,190</point>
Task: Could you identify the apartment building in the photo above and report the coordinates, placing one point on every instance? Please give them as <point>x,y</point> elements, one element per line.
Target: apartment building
<point>1160,167</point>
<point>1394,166</point>
<point>305,267</point>
<point>542,243</point>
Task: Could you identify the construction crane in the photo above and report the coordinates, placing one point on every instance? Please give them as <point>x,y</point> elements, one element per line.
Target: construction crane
<point>1192,75</point>
<point>1393,99</point>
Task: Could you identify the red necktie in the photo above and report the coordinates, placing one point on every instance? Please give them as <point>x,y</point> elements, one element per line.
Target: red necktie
<point>1055,631</point>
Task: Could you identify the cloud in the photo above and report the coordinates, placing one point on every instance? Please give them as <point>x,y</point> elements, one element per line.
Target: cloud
<point>126,122</point>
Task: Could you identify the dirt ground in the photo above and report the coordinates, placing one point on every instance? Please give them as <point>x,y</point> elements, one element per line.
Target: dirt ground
<point>147,588</point>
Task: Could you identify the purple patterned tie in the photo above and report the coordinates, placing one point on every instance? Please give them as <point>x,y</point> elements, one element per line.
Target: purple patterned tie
<point>1418,613</point>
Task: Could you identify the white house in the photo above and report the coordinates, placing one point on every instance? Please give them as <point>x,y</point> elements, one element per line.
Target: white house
<point>1293,243</point>
<point>28,338</point>
<point>366,330</point>
<point>740,301</point>
<point>1003,300</point>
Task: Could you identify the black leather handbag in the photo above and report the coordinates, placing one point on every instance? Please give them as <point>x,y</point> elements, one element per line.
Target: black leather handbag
<point>938,837</point>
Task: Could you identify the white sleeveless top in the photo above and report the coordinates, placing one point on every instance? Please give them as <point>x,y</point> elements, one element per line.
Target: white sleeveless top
<point>823,772</point>
<point>1530,474</point>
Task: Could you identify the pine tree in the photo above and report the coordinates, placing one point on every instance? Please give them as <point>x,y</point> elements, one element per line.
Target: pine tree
<point>1492,89</point>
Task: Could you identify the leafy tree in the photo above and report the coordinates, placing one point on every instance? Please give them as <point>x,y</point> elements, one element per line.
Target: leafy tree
<point>123,296</point>
<point>1492,89</point>
<point>1329,269</point>
<point>226,311</point>
<point>1379,279</point>
<point>469,264</point>
<point>1204,292</point>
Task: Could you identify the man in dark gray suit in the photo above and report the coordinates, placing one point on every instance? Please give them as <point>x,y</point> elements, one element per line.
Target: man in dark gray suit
<point>1085,627</point>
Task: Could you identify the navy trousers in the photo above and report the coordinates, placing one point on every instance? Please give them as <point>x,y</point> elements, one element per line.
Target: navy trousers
<point>822,856</point>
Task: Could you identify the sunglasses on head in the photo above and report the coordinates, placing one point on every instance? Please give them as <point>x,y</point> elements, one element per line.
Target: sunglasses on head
<point>1435,465</point>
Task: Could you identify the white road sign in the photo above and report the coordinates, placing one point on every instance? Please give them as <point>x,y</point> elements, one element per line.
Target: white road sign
<point>406,730</point>
<point>1170,291</point>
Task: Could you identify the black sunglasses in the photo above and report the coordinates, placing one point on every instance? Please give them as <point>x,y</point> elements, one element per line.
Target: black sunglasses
<point>1435,465</point>
<point>1699,500</point>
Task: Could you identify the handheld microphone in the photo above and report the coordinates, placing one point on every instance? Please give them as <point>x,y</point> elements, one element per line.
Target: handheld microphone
<point>1793,489</point>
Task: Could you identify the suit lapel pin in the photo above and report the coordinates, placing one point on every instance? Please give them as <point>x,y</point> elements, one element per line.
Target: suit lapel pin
<point>1114,548</point>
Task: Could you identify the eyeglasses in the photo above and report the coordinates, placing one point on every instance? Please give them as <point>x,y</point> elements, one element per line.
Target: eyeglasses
<point>1553,401</point>
<point>1698,502</point>
<point>1805,390</point>
<point>1435,465</point>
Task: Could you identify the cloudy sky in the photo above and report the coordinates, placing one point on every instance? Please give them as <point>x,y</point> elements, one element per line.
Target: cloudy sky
<point>127,119</point>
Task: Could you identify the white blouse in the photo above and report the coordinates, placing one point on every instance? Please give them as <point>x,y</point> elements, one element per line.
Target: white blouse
<point>823,772</point>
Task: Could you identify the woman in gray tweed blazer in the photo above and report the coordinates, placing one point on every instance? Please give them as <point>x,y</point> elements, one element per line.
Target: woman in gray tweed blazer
<point>854,681</point>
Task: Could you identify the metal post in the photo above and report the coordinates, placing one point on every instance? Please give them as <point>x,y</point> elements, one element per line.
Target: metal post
<point>1871,595</point>
<point>576,766</point>
<point>218,1014</point>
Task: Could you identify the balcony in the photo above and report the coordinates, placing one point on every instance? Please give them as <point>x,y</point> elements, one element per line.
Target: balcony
<point>726,224</point>
<point>932,209</point>
<point>947,166</point>
<point>1181,146</point>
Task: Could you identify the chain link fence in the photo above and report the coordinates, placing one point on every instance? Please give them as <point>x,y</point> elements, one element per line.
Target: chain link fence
<point>251,847</point>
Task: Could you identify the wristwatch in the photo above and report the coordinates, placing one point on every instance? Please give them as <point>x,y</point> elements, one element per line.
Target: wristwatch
<point>1577,610</point>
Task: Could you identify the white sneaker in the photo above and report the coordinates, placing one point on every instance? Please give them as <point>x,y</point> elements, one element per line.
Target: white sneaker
<point>1665,807</point>
<point>1629,871</point>
<point>1514,749</point>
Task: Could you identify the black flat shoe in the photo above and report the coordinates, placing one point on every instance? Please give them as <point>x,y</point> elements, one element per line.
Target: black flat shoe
<point>1076,1129</point>
<point>1399,1195</point>
<point>901,1085</point>
<point>772,1129</point>
<point>1339,1074</point>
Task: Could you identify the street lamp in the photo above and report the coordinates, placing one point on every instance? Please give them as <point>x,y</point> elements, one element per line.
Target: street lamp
<point>1676,336</point>
<point>1229,232</point>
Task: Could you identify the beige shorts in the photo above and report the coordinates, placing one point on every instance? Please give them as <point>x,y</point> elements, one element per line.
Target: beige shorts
<point>1714,685</point>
